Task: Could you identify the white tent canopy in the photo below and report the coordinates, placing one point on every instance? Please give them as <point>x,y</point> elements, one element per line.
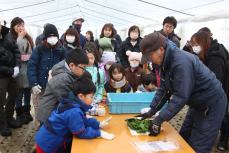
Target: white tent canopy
<point>147,14</point>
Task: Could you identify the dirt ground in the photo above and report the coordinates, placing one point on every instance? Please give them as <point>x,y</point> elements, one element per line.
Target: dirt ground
<point>22,140</point>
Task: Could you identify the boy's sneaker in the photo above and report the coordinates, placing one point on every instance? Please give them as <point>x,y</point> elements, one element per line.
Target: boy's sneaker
<point>222,146</point>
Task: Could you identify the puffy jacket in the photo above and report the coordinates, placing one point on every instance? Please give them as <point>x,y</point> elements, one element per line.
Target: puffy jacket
<point>9,56</point>
<point>215,60</point>
<point>41,61</point>
<point>126,45</point>
<point>187,80</point>
<point>68,119</point>
<point>59,86</point>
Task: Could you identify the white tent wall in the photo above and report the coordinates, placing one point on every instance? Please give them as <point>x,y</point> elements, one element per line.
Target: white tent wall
<point>185,29</point>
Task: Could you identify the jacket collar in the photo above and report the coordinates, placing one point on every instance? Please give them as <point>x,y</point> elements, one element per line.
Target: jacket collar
<point>169,51</point>
<point>75,102</point>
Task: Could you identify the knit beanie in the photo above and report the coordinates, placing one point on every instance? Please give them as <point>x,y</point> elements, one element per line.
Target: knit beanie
<point>50,30</point>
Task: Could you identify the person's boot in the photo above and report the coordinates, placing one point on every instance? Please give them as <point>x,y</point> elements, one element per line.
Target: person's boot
<point>20,116</point>
<point>27,114</point>
<point>12,123</point>
<point>222,145</point>
<point>4,130</point>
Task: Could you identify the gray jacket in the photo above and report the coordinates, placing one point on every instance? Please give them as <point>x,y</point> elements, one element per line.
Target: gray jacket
<point>25,50</point>
<point>58,87</point>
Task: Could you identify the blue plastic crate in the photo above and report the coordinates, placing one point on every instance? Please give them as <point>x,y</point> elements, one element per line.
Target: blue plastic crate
<point>127,103</point>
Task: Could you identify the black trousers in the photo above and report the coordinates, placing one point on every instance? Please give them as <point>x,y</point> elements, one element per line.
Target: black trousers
<point>8,94</point>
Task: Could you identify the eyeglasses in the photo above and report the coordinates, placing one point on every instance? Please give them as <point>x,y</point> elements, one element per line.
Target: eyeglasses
<point>81,67</point>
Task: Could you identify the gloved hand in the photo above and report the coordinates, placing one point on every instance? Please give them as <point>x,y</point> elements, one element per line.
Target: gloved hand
<point>36,89</point>
<point>148,114</point>
<point>154,128</point>
<point>105,122</point>
<point>16,72</point>
<point>106,135</point>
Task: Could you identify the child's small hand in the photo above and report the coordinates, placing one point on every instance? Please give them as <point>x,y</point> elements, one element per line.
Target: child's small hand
<point>106,135</point>
<point>105,122</point>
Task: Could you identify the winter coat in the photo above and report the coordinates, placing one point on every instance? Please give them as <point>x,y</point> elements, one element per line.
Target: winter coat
<point>41,61</point>
<point>68,48</point>
<point>187,80</point>
<point>68,119</point>
<point>126,45</point>
<point>173,37</point>
<point>83,40</point>
<point>215,60</point>
<point>25,50</point>
<point>93,70</point>
<point>59,86</point>
<point>9,56</point>
<point>134,77</point>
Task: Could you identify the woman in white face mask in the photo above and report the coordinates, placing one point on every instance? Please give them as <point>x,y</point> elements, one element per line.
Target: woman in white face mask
<point>214,56</point>
<point>71,40</point>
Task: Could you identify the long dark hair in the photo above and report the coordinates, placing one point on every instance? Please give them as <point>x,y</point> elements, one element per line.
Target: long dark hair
<point>90,47</point>
<point>204,40</point>
<point>73,32</point>
<point>15,22</point>
<point>117,66</point>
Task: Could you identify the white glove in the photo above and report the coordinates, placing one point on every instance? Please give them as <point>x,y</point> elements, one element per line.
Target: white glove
<point>16,72</point>
<point>105,122</point>
<point>106,135</point>
<point>36,89</point>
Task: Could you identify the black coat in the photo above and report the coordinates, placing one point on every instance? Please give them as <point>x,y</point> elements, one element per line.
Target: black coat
<point>126,45</point>
<point>9,56</point>
<point>215,60</point>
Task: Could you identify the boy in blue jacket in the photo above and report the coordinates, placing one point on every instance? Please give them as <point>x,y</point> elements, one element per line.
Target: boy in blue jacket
<point>69,119</point>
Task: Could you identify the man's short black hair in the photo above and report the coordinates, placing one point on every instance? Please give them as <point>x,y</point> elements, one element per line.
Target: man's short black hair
<point>77,56</point>
<point>171,20</point>
<point>146,79</point>
<point>83,86</point>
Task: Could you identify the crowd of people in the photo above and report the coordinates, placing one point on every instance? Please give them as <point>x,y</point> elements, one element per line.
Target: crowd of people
<point>65,75</point>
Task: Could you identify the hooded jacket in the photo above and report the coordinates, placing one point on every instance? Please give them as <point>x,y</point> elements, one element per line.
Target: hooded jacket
<point>68,119</point>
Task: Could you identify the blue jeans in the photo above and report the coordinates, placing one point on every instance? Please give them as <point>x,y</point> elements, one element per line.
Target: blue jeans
<point>23,93</point>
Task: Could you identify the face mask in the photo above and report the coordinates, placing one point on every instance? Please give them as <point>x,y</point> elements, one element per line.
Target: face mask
<point>134,65</point>
<point>52,40</point>
<point>70,39</point>
<point>78,27</point>
<point>196,49</point>
<point>119,84</point>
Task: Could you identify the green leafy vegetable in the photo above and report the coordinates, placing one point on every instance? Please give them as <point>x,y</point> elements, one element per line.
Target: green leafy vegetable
<point>140,126</point>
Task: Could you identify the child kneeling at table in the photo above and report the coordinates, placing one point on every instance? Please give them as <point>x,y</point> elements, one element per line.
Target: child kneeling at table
<point>69,119</point>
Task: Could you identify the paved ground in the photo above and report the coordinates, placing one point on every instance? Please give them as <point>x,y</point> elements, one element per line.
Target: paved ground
<point>22,140</point>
